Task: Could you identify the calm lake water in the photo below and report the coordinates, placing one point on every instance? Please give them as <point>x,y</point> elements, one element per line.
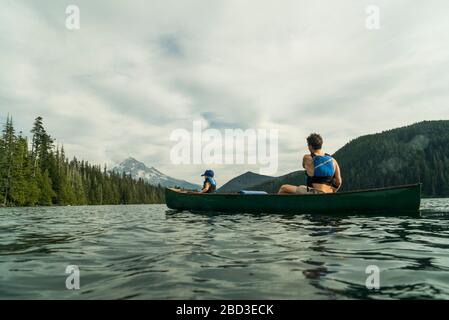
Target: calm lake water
<point>149,252</point>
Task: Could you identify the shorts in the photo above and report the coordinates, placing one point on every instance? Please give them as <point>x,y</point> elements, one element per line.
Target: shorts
<point>306,190</point>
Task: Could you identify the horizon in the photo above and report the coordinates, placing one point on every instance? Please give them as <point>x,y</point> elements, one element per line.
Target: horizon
<point>113,89</point>
<point>274,176</point>
<point>220,184</point>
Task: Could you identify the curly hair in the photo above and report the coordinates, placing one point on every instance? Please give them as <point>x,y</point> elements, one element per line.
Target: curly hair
<point>315,141</point>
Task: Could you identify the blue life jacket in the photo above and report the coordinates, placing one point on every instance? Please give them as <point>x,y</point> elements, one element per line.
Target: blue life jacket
<point>213,184</point>
<point>324,170</point>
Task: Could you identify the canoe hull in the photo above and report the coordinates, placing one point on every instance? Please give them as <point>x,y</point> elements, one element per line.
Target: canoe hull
<point>393,200</point>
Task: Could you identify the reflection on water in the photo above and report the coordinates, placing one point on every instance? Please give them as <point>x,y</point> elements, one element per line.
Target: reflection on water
<point>149,252</point>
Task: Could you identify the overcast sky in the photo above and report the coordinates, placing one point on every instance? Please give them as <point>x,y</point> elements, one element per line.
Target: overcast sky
<point>136,70</point>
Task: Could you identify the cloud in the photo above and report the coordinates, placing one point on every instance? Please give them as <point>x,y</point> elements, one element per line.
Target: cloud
<point>136,71</point>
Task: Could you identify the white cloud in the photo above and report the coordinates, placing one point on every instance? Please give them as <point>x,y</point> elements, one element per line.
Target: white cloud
<point>137,70</point>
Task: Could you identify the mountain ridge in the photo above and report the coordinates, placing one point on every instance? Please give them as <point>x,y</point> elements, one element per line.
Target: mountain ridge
<point>409,154</point>
<point>243,181</point>
<point>138,170</point>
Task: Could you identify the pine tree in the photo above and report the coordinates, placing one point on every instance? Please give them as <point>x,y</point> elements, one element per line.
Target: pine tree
<point>44,176</point>
<point>46,191</point>
<point>6,166</point>
<point>3,169</point>
<point>19,183</point>
<point>42,147</point>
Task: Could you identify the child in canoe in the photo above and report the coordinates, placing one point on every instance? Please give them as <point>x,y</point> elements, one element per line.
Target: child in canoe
<point>209,185</point>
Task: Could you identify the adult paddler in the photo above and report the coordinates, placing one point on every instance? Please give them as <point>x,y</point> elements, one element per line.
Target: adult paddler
<point>322,171</point>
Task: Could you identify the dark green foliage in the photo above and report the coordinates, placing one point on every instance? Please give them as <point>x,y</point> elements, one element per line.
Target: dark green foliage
<point>243,181</point>
<point>416,153</point>
<point>44,176</point>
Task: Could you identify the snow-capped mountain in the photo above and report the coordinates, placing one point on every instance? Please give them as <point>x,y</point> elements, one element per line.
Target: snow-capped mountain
<point>151,175</point>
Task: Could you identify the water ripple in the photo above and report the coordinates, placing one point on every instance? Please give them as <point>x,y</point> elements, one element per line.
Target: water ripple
<point>149,252</point>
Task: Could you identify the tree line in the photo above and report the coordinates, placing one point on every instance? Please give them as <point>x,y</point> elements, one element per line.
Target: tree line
<point>411,154</point>
<point>38,173</point>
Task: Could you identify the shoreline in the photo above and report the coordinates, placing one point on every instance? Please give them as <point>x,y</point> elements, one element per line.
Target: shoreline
<point>80,205</point>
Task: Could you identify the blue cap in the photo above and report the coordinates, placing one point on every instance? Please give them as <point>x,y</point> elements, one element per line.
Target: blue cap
<point>208,173</point>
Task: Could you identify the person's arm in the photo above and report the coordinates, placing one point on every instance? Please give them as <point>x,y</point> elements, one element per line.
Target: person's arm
<point>206,188</point>
<point>338,179</point>
<point>307,163</point>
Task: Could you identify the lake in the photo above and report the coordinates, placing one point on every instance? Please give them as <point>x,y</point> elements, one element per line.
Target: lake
<point>150,252</point>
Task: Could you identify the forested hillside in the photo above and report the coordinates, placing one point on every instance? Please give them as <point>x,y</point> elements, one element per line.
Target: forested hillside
<point>243,181</point>
<point>416,153</point>
<point>38,173</point>
<point>273,185</point>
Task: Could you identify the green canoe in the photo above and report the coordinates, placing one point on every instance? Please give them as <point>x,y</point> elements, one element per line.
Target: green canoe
<point>389,201</point>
